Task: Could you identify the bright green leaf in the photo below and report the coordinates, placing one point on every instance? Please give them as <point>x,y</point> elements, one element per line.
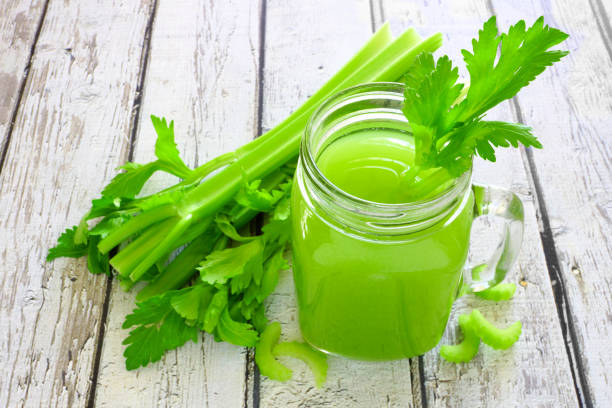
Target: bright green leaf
<point>210,319</point>
<point>166,150</point>
<point>129,183</point>
<point>149,343</point>
<point>159,328</point>
<point>192,301</point>
<point>224,224</point>
<point>66,246</point>
<point>270,277</point>
<point>96,262</point>
<point>108,225</point>
<point>240,334</point>
<point>220,266</point>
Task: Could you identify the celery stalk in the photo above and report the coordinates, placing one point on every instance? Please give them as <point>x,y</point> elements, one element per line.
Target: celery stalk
<point>181,269</point>
<point>278,149</point>
<point>378,60</point>
<point>381,39</point>
<point>135,225</point>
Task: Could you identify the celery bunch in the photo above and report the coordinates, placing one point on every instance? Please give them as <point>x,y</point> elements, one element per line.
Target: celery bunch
<point>210,285</point>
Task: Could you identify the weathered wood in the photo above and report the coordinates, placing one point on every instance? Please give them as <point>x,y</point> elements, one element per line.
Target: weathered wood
<point>571,109</point>
<point>19,21</point>
<point>73,128</point>
<point>306,42</point>
<point>602,13</point>
<point>535,372</point>
<point>202,72</point>
<point>70,132</point>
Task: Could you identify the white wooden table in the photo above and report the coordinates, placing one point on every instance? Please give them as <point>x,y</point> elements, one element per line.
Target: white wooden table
<point>78,80</point>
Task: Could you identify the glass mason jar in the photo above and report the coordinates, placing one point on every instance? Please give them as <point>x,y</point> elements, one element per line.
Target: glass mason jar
<point>376,281</point>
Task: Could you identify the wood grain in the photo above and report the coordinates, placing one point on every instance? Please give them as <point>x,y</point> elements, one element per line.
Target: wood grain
<point>70,132</point>
<point>306,43</point>
<point>19,21</point>
<point>202,72</point>
<point>535,372</point>
<point>570,108</point>
<point>73,127</point>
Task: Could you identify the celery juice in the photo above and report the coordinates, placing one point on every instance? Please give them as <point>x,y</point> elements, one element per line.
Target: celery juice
<point>373,297</point>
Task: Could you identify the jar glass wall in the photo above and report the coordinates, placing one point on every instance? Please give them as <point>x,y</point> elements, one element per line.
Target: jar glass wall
<point>374,280</point>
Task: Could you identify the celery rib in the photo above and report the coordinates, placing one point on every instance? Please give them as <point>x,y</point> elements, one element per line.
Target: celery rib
<point>129,257</point>
<point>135,225</point>
<point>379,41</point>
<point>174,233</point>
<point>181,269</point>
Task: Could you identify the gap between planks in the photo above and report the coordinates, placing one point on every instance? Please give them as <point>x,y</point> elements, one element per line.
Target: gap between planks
<point>215,40</point>
<point>450,20</point>
<point>135,120</point>
<point>554,271</point>
<point>603,24</point>
<point>252,374</point>
<point>568,329</point>
<point>417,370</point>
<point>24,79</point>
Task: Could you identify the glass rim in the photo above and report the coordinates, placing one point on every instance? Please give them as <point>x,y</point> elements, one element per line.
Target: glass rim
<point>348,200</point>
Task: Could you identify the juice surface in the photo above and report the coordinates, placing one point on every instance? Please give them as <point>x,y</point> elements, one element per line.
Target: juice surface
<point>369,164</point>
<point>374,299</point>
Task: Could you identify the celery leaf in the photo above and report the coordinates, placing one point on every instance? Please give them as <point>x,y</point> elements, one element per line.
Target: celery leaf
<point>240,334</point>
<point>107,225</point>
<point>260,199</point>
<point>97,263</point>
<point>67,247</point>
<point>448,133</point>
<point>497,74</point>
<point>192,301</point>
<point>129,183</point>
<point>226,227</point>
<point>166,150</point>
<point>270,276</point>
<point>209,320</point>
<point>159,329</point>
<point>220,266</point>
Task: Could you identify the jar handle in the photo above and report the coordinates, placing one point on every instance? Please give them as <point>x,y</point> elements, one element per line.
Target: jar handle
<point>506,205</point>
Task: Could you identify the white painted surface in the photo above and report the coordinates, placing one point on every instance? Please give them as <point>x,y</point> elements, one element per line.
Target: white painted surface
<point>570,107</point>
<point>69,134</point>
<point>18,22</point>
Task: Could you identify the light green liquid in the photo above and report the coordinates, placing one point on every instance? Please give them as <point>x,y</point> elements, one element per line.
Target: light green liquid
<point>369,164</point>
<point>375,300</point>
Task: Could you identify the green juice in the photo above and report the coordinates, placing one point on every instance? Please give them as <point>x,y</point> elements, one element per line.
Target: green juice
<point>366,297</point>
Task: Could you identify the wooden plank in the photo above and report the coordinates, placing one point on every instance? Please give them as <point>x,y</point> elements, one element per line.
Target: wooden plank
<point>305,44</point>
<point>602,11</point>
<point>202,72</point>
<point>535,372</point>
<point>70,133</point>
<point>19,21</point>
<point>571,108</point>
